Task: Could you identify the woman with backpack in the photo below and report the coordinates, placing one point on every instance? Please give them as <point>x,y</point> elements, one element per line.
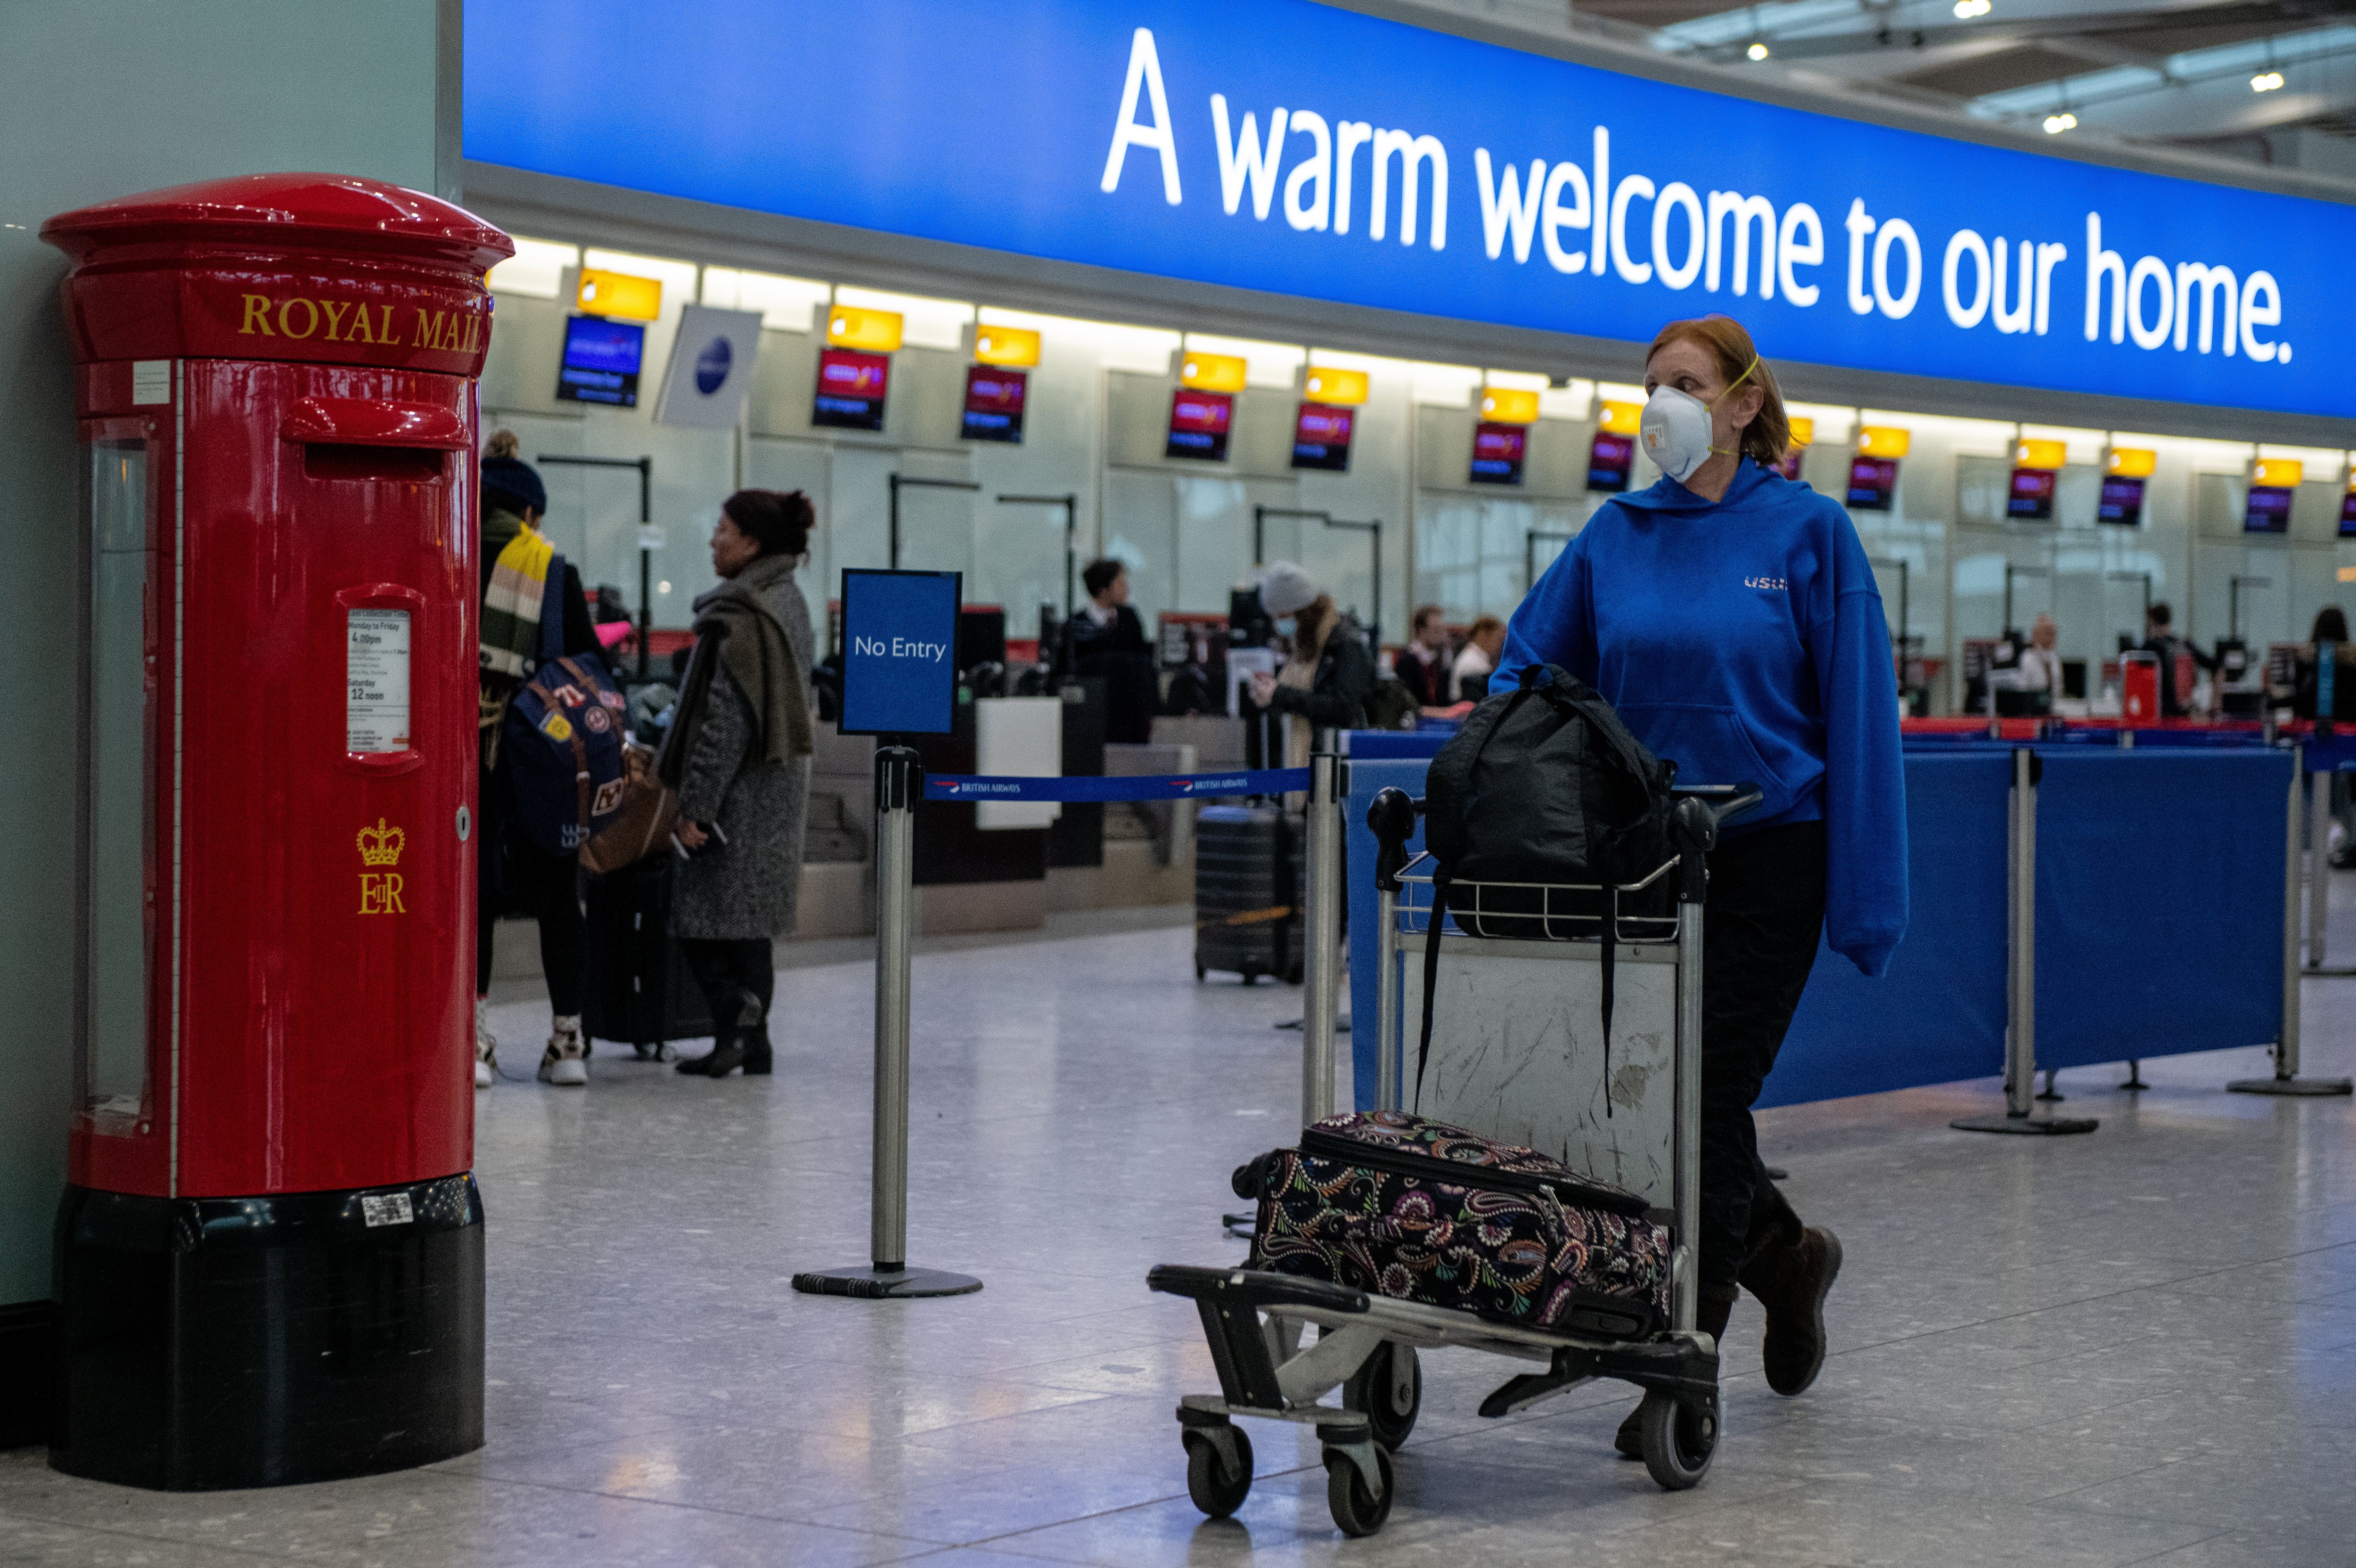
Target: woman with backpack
<point>524,583</point>
<point>738,754</point>
<point>1730,617</point>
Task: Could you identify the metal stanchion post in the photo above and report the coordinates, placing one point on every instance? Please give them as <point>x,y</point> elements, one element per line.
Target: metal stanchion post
<point>2020,971</point>
<point>899,783</point>
<point>1322,931</point>
<point>2319,865</point>
<point>2285,1079</point>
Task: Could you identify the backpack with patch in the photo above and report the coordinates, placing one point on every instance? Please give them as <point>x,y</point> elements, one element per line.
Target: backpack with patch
<point>563,746</point>
<point>1544,785</point>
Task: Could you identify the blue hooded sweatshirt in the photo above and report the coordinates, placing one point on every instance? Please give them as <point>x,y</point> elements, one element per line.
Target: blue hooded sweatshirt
<point>1746,642</point>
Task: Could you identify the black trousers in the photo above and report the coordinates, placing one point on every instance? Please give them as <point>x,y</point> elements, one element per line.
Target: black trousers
<point>515,876</point>
<point>722,967</point>
<point>1759,929</point>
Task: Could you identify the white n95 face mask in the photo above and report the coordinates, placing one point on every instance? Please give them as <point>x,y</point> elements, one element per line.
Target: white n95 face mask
<point>1676,428</point>
<point>1676,431</point>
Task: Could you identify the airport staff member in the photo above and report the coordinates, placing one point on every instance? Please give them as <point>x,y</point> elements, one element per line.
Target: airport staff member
<point>1423,666</point>
<point>1107,641</point>
<point>1484,642</point>
<point>2040,667</point>
<point>1731,616</point>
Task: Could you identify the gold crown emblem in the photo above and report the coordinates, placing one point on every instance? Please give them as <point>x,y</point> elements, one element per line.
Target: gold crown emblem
<point>380,845</point>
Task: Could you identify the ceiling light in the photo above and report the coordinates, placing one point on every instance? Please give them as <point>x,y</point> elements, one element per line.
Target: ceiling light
<point>1758,52</point>
<point>2265,82</point>
<point>1967,9</point>
<point>2057,123</point>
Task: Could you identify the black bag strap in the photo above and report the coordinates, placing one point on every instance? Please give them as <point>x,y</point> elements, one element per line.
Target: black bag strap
<point>1611,939</point>
<point>1430,976</point>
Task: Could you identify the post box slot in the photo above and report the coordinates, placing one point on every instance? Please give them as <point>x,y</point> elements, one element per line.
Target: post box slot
<point>405,464</point>
<point>374,422</point>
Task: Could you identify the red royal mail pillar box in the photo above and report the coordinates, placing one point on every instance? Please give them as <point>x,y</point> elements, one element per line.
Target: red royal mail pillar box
<point>269,1256</point>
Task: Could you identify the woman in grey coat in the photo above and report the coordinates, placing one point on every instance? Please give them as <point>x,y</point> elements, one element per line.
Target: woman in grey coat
<point>738,754</point>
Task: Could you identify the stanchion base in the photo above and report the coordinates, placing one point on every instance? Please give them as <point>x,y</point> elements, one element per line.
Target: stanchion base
<point>884,1284</point>
<point>2306,1088</point>
<point>2035,1126</point>
<point>1776,1173</point>
<point>2328,971</point>
<point>1239,1227</point>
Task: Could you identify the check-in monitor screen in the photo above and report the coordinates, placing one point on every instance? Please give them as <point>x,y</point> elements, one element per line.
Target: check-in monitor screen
<point>2348,514</point>
<point>2121,504</point>
<point>1198,424</point>
<point>2031,497</point>
<point>993,403</point>
<point>2268,510</point>
<point>1321,436</point>
<point>1498,451</point>
<point>852,387</point>
<point>1872,484</point>
<point>1608,462</point>
<point>601,361</point>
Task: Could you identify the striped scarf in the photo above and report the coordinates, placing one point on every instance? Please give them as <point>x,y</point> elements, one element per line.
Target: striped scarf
<point>510,632</point>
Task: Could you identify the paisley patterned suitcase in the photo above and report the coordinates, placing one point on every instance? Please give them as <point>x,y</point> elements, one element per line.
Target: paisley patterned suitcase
<point>1419,1210</point>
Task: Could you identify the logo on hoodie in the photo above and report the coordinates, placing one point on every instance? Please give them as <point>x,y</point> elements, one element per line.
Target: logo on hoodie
<point>1771,584</point>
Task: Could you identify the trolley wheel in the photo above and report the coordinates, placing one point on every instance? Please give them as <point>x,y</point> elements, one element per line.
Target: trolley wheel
<point>1357,1511</point>
<point>1375,1390</point>
<point>1217,1494</point>
<point>1679,1439</point>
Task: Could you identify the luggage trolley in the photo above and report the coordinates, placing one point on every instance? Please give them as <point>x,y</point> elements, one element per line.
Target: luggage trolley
<point>1517,1055</point>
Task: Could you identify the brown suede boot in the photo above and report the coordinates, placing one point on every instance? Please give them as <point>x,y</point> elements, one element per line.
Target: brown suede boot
<point>1710,1314</point>
<point>1790,1278</point>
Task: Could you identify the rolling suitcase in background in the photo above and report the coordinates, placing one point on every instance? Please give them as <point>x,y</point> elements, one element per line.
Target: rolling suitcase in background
<point>640,992</point>
<point>1247,892</point>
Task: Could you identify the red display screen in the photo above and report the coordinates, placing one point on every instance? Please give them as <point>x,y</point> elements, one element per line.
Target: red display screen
<point>1321,436</point>
<point>1497,453</point>
<point>2032,495</point>
<point>1872,484</point>
<point>851,388</point>
<point>2348,514</point>
<point>993,403</point>
<point>1608,462</point>
<point>1788,465</point>
<point>1198,424</point>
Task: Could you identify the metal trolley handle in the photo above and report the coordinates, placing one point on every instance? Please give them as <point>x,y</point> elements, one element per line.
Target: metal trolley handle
<point>1694,826</point>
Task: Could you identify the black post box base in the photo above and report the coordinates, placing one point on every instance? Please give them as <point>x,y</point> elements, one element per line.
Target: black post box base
<point>218,1342</point>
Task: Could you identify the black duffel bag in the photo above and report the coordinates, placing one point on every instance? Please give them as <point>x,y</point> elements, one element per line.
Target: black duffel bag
<point>1544,784</point>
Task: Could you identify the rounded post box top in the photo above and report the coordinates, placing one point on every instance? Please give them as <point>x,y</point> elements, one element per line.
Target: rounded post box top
<point>316,267</point>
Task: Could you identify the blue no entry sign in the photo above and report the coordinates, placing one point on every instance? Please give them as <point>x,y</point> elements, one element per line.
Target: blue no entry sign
<point>899,642</point>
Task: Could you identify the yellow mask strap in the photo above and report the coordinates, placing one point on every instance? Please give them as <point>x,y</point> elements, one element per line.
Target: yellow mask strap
<point>1720,451</point>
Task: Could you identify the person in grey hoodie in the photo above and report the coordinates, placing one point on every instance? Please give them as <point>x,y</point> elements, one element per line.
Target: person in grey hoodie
<point>738,754</point>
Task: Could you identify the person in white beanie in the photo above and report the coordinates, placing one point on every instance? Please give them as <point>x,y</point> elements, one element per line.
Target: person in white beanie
<point>1327,682</point>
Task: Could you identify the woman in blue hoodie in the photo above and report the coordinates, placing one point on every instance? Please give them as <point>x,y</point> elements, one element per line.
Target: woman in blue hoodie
<point>1730,617</point>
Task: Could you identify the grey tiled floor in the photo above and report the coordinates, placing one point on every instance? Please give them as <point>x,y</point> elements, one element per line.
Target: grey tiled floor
<point>2137,1346</point>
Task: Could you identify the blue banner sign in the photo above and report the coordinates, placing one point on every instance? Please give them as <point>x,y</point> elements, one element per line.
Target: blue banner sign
<point>1290,146</point>
<point>899,638</point>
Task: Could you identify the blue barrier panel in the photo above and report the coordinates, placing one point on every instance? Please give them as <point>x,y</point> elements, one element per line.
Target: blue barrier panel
<point>1366,780</point>
<point>2159,902</point>
<point>1938,1013</point>
<point>1388,744</point>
